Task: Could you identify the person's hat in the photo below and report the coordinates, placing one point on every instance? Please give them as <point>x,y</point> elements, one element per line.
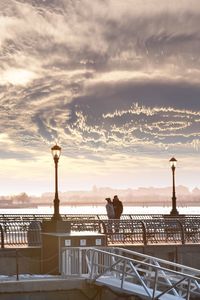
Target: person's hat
<point>115,196</point>
<point>107,199</point>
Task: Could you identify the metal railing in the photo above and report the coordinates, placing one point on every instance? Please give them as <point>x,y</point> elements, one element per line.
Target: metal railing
<point>41,217</point>
<point>185,230</point>
<point>151,231</point>
<point>17,233</point>
<point>131,272</point>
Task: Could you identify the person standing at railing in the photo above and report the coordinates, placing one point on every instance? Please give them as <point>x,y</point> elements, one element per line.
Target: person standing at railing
<point>118,209</point>
<point>110,213</point>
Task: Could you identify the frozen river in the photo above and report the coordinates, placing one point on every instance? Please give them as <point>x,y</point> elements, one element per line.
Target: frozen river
<point>88,209</point>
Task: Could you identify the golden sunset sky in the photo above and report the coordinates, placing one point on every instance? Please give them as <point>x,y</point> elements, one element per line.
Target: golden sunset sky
<point>115,83</point>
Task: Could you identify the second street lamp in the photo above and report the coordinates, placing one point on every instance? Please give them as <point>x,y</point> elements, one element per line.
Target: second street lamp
<point>174,211</point>
<point>56,150</point>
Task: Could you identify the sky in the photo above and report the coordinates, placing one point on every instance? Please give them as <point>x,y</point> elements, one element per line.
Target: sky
<point>115,83</point>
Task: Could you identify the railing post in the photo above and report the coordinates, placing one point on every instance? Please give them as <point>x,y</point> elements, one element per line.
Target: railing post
<point>144,232</point>
<point>17,266</point>
<point>182,232</point>
<point>92,265</point>
<point>2,236</point>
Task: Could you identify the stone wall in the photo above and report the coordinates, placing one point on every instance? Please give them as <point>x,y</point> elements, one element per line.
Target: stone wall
<point>21,260</point>
<point>182,254</point>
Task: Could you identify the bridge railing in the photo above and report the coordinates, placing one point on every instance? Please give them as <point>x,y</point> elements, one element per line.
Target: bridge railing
<point>124,231</point>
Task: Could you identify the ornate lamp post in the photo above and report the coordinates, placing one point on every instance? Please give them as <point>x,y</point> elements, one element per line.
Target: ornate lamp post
<point>174,211</point>
<point>56,150</point>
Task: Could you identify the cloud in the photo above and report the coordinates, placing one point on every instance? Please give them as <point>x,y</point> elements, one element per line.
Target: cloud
<point>102,78</point>
<point>17,76</point>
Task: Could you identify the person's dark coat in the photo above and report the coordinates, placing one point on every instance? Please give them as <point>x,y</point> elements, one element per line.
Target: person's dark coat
<point>118,207</point>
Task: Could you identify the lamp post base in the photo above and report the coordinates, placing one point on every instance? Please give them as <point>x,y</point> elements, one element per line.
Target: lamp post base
<point>174,213</point>
<point>56,218</point>
<point>174,216</point>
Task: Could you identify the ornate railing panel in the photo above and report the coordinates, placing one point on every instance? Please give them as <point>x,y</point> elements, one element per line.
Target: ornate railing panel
<point>20,233</point>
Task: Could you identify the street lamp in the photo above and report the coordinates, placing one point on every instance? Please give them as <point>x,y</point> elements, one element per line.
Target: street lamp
<point>174,211</point>
<point>56,150</point>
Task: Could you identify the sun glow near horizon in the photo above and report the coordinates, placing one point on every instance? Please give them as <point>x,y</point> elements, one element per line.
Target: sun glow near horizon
<point>17,76</point>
